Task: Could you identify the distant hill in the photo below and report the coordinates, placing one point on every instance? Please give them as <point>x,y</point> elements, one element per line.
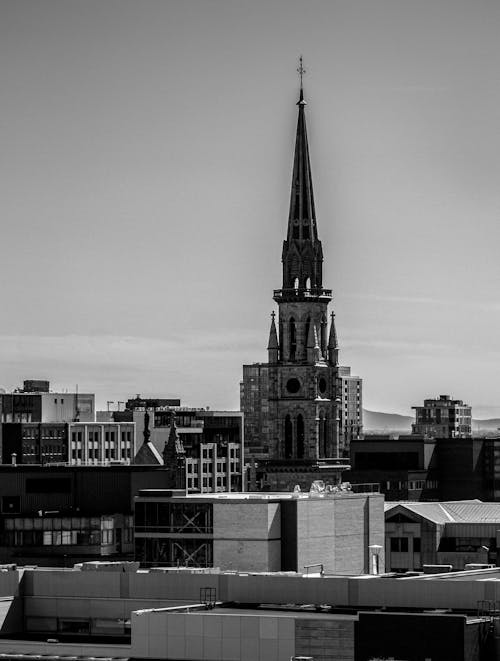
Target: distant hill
<point>491,425</point>
<point>394,423</point>
<point>386,423</point>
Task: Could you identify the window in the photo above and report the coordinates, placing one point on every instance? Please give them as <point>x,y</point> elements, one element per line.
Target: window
<point>11,504</point>
<point>416,545</point>
<point>399,544</point>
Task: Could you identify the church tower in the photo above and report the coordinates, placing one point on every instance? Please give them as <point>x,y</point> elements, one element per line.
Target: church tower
<point>294,409</point>
<point>302,354</point>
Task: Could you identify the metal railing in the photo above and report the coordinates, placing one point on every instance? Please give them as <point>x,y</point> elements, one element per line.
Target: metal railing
<point>302,293</point>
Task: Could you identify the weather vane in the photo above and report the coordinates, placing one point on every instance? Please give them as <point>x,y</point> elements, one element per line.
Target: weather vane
<point>300,70</point>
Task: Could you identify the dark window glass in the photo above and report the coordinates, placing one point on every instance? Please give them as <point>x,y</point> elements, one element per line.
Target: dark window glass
<point>11,504</point>
<point>48,485</point>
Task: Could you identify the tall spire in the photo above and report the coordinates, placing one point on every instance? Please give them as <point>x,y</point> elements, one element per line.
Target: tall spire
<point>302,197</point>
<point>302,253</point>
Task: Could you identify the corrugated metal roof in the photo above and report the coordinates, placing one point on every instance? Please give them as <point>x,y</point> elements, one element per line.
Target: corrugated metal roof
<point>468,511</point>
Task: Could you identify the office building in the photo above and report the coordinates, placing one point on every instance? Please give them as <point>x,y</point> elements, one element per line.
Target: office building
<point>73,443</point>
<point>41,405</point>
<point>50,515</point>
<point>428,469</point>
<point>101,443</point>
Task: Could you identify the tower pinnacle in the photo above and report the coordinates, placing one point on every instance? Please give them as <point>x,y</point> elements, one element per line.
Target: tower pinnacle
<point>301,71</point>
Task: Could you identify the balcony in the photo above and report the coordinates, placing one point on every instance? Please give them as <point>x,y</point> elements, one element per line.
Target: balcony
<point>301,294</point>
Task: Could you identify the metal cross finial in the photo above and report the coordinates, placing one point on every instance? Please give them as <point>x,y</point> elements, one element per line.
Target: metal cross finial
<point>301,71</point>
<point>273,314</point>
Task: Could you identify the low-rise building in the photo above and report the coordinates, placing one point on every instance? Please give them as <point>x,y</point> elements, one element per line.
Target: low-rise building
<point>111,610</point>
<point>334,530</point>
<point>71,443</point>
<point>427,469</point>
<point>446,533</point>
<point>58,514</point>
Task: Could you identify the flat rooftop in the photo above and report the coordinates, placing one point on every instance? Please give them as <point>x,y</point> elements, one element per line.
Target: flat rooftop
<point>251,495</point>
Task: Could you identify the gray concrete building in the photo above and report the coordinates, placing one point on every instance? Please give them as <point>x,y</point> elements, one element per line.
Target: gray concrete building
<point>261,532</point>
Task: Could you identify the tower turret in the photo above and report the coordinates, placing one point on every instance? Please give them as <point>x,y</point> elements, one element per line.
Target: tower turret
<point>272,345</point>
<point>333,347</point>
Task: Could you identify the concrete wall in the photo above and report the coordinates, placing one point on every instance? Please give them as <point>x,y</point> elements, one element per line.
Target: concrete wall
<point>212,635</point>
<point>61,407</point>
<point>316,531</point>
<point>152,587</point>
<point>222,635</point>
<point>247,536</point>
<point>325,638</point>
<point>359,523</point>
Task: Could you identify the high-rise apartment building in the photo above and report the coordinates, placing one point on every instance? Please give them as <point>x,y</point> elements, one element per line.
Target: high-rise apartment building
<point>443,417</point>
<point>301,406</point>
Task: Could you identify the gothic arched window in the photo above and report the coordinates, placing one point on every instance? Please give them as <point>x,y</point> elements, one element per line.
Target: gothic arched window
<point>288,438</point>
<point>300,437</point>
<point>322,434</point>
<point>293,338</point>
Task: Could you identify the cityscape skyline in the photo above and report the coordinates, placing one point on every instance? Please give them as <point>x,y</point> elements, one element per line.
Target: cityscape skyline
<point>145,179</point>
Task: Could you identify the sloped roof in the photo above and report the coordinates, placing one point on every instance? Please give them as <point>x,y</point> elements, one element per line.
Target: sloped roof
<point>462,511</point>
<point>148,454</point>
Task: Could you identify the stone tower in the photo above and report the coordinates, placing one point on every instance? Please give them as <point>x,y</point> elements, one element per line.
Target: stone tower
<point>302,352</point>
<point>301,408</point>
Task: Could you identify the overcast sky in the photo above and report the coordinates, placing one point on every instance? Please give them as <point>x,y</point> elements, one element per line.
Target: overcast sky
<point>145,166</point>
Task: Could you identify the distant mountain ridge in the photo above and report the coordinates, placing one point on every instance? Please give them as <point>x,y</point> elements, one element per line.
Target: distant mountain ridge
<point>377,421</point>
<point>395,423</point>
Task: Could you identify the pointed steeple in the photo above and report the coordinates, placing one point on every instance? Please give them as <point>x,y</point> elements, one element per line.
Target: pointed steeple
<point>174,457</point>
<point>333,347</point>
<point>302,196</point>
<point>302,255</point>
<point>272,345</point>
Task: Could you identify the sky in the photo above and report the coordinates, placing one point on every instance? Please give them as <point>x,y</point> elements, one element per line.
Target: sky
<point>145,165</point>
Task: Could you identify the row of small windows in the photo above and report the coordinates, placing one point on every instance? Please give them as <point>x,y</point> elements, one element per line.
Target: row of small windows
<point>402,485</point>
